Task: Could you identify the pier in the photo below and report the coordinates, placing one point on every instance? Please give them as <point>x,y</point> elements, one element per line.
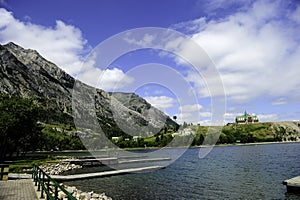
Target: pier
<point>293,184</point>
<point>94,161</point>
<point>104,174</point>
<point>101,161</point>
<point>144,160</point>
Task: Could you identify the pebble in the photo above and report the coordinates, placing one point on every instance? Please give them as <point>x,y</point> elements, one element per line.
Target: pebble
<point>58,168</point>
<point>79,195</point>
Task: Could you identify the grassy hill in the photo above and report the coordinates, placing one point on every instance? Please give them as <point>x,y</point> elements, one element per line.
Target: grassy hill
<point>258,132</point>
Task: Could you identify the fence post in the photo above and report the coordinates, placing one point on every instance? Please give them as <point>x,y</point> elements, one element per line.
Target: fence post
<point>4,169</point>
<point>43,185</point>
<point>45,181</point>
<point>32,173</point>
<point>35,175</point>
<point>48,185</point>
<point>39,180</point>
<point>56,192</point>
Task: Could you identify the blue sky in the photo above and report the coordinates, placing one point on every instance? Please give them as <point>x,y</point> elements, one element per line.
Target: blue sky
<point>253,44</point>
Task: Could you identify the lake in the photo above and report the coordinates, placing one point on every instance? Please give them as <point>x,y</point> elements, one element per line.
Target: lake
<point>227,172</point>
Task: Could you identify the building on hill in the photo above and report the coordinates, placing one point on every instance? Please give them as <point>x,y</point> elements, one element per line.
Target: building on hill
<point>246,119</point>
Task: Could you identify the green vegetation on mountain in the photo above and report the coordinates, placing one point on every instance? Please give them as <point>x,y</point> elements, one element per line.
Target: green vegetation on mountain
<point>21,129</point>
<point>25,73</point>
<point>230,134</point>
<point>61,99</point>
<point>249,133</point>
<point>37,109</point>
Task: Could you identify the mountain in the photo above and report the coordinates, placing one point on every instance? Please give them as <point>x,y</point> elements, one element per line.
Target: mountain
<point>25,73</point>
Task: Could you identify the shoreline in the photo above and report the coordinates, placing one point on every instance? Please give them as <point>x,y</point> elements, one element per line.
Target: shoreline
<point>216,145</point>
<point>245,144</point>
<point>155,148</point>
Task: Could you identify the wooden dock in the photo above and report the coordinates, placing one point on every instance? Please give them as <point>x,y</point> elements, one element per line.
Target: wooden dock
<point>107,156</point>
<point>94,161</point>
<point>144,160</point>
<point>113,161</point>
<point>103,174</point>
<point>293,184</point>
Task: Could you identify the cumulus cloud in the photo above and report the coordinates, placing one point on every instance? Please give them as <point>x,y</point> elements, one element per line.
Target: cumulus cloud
<point>256,51</point>
<point>143,42</point>
<point>295,15</point>
<point>190,108</point>
<point>215,6</point>
<point>203,118</point>
<point>267,117</point>
<point>160,102</point>
<point>230,117</point>
<point>192,113</point>
<point>109,79</point>
<point>280,101</point>
<point>64,45</point>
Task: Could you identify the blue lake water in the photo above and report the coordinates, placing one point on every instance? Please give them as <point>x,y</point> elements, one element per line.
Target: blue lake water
<point>231,172</point>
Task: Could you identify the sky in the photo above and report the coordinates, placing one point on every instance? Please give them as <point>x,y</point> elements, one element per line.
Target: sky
<point>254,46</point>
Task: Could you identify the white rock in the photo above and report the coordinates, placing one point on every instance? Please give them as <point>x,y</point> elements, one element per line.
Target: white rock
<point>61,195</point>
<point>95,195</point>
<point>81,196</point>
<point>71,190</point>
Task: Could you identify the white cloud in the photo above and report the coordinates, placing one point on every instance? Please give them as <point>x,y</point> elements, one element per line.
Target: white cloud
<point>205,114</point>
<point>296,15</point>
<point>158,92</point>
<point>280,101</point>
<point>190,108</point>
<point>205,122</point>
<point>160,102</point>
<point>62,44</point>
<point>114,79</point>
<point>65,46</point>
<point>192,113</point>
<point>230,117</point>
<point>267,117</point>
<point>106,79</point>
<point>109,79</point>
<point>188,117</point>
<point>143,42</point>
<point>214,6</point>
<point>193,117</point>
<point>202,117</point>
<point>256,51</point>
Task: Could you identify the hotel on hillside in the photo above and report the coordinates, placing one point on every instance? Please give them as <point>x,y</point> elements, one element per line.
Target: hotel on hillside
<point>246,119</point>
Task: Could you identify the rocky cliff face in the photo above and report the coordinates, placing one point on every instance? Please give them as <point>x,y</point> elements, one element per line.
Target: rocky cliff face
<point>287,131</point>
<point>25,73</point>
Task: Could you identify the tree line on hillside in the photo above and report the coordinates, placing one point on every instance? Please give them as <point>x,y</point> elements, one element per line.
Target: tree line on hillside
<point>24,126</point>
<point>21,129</point>
<point>32,124</point>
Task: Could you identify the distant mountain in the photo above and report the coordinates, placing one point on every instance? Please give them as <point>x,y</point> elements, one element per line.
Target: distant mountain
<point>25,73</point>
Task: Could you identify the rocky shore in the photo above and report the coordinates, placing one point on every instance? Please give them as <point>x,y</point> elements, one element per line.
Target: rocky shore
<point>80,195</point>
<point>58,168</point>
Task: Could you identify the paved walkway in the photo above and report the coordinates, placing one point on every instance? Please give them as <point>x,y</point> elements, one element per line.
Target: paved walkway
<point>21,189</point>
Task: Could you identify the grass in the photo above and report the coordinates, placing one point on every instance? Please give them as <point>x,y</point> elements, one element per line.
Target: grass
<point>21,166</point>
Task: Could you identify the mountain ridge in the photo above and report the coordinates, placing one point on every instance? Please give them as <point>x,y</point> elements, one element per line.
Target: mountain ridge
<point>25,73</point>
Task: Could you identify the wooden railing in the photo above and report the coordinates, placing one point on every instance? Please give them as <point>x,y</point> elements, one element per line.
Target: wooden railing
<point>48,186</point>
<point>4,168</point>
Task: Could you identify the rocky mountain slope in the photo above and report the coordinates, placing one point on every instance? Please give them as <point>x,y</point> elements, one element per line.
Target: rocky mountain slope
<point>25,73</point>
